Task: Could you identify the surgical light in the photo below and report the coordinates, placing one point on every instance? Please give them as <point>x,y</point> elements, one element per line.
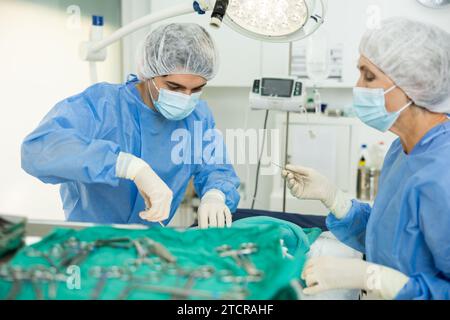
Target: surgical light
<point>435,4</point>
<point>265,19</point>
<point>269,20</point>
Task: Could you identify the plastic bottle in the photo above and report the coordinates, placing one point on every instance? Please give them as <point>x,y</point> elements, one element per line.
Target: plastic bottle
<point>377,154</point>
<point>317,102</point>
<point>364,157</point>
<point>310,105</point>
<point>96,31</point>
<point>362,184</point>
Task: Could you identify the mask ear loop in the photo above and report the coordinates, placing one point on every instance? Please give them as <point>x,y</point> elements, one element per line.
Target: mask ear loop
<point>405,107</point>
<point>150,91</point>
<point>390,89</point>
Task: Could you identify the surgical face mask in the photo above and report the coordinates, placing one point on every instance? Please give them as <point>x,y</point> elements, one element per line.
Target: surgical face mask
<point>370,107</point>
<point>174,105</point>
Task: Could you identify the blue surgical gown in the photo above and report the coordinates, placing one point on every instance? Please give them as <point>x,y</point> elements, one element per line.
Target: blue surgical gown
<point>78,143</point>
<point>408,228</point>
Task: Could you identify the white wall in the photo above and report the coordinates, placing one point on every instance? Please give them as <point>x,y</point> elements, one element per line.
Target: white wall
<point>39,66</point>
<point>132,10</point>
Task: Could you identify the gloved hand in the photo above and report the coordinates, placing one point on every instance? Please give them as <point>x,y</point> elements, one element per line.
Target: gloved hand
<point>157,195</point>
<point>328,273</point>
<point>308,184</point>
<point>213,212</point>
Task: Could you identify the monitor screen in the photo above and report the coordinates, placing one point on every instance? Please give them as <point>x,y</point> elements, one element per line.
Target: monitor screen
<point>277,88</point>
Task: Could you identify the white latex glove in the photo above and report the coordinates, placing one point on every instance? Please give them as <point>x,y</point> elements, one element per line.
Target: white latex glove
<point>327,273</point>
<point>213,212</point>
<point>308,184</point>
<point>157,195</point>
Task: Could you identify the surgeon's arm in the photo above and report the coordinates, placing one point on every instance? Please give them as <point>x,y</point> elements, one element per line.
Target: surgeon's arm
<point>433,206</point>
<point>215,173</point>
<point>222,178</point>
<point>426,286</point>
<point>351,229</point>
<point>63,148</point>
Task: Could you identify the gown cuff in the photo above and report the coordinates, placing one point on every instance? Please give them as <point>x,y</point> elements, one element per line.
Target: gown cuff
<point>216,194</point>
<point>342,205</point>
<point>392,282</point>
<point>386,282</point>
<point>128,166</point>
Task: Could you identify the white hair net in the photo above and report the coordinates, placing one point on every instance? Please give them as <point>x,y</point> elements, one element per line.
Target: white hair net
<point>416,56</point>
<point>178,48</point>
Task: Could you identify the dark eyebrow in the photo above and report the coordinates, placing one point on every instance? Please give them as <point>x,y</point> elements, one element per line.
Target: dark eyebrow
<point>202,86</point>
<point>174,84</point>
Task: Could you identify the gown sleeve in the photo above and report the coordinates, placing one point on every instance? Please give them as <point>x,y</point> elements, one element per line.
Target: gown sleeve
<point>216,172</point>
<point>352,229</point>
<point>63,147</point>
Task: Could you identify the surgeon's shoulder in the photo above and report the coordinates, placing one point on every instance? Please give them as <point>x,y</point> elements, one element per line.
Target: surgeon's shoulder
<point>100,92</point>
<point>438,164</point>
<point>91,102</point>
<point>433,184</point>
<point>432,173</point>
